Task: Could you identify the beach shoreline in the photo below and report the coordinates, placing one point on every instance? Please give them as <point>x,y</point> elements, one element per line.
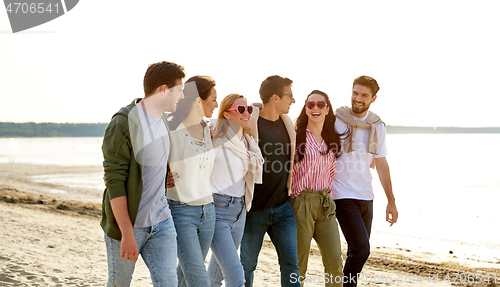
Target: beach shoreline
<point>54,241</point>
<point>37,200</point>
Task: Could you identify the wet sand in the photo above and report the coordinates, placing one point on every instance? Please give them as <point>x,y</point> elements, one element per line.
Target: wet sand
<point>81,183</point>
<point>55,240</point>
<point>61,243</point>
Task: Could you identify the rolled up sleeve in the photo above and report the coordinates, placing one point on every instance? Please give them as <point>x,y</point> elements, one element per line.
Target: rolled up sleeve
<point>116,149</point>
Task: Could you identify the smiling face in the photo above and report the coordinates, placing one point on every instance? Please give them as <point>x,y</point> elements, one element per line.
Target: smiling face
<point>210,103</point>
<point>361,100</point>
<point>172,96</point>
<point>317,115</point>
<point>285,101</point>
<point>235,116</point>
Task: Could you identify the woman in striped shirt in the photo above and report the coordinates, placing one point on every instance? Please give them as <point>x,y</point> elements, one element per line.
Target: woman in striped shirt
<point>318,146</point>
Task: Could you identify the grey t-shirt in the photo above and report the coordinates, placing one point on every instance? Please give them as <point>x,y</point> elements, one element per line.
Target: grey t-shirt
<point>153,207</point>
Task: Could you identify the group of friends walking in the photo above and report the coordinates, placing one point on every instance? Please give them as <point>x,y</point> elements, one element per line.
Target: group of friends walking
<point>177,187</point>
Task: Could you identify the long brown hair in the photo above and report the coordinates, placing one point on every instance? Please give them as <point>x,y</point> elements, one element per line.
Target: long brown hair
<point>204,84</point>
<point>201,88</point>
<point>329,134</point>
<point>222,124</point>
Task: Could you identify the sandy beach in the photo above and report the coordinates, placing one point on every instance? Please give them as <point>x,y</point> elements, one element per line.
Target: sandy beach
<point>55,240</point>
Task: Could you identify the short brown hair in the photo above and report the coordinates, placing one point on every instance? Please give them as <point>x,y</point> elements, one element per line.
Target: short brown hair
<point>162,73</point>
<point>273,85</point>
<point>367,81</point>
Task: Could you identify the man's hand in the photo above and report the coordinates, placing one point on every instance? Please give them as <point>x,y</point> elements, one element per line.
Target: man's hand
<point>128,244</point>
<point>129,249</point>
<point>258,105</point>
<point>172,177</point>
<point>211,128</point>
<point>391,213</point>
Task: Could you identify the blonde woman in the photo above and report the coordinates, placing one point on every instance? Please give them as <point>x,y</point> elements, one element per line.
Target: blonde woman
<point>238,165</point>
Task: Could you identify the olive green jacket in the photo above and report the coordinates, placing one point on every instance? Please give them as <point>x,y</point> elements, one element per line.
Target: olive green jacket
<point>123,174</point>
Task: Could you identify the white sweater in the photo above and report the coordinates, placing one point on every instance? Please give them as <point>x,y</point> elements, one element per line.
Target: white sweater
<point>194,165</point>
<point>228,173</point>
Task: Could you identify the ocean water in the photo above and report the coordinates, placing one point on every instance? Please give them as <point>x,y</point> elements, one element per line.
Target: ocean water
<point>447,189</point>
<point>54,151</point>
<point>67,166</point>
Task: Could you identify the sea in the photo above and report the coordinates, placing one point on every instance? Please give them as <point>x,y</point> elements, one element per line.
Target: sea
<point>447,189</point>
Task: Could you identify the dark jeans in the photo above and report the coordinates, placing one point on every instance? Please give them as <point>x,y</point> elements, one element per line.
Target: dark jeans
<point>355,220</point>
<point>280,224</point>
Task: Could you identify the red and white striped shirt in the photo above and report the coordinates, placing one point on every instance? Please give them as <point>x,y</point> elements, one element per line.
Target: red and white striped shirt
<point>315,171</point>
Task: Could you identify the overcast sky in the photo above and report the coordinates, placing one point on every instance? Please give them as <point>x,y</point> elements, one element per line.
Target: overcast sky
<point>437,62</point>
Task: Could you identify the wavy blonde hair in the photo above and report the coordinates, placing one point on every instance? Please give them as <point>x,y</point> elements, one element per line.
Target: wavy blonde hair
<point>222,124</point>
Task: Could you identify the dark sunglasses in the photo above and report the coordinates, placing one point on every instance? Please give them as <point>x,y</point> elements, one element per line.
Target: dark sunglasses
<point>321,104</point>
<point>241,109</point>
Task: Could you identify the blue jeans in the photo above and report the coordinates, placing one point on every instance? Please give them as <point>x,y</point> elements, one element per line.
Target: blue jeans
<point>355,220</point>
<point>279,223</point>
<point>229,225</point>
<point>158,247</point>
<point>195,229</point>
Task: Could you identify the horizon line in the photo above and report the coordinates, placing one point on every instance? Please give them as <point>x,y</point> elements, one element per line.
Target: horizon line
<point>104,123</point>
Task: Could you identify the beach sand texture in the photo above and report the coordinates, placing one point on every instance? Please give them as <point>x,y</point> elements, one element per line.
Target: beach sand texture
<point>56,240</point>
<point>46,246</point>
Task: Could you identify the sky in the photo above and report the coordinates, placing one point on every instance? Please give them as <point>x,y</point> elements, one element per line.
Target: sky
<point>437,62</point>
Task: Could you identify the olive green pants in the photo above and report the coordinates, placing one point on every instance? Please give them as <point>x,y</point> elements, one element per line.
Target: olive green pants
<point>315,216</point>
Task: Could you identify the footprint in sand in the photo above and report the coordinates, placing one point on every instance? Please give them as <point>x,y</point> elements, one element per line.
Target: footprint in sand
<point>55,280</point>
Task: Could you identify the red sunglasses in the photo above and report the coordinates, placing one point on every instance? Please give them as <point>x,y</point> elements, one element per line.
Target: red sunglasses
<point>241,109</point>
<point>321,104</point>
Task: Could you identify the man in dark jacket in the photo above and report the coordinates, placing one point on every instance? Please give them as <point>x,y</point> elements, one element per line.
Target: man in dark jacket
<point>136,218</point>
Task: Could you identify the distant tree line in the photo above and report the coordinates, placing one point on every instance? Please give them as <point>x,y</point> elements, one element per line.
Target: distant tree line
<point>97,130</point>
<point>51,130</point>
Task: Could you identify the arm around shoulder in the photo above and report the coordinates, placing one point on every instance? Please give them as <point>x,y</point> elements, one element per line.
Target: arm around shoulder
<point>252,124</point>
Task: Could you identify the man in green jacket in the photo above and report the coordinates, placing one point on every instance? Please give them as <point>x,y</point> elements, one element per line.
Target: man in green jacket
<point>136,218</point>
